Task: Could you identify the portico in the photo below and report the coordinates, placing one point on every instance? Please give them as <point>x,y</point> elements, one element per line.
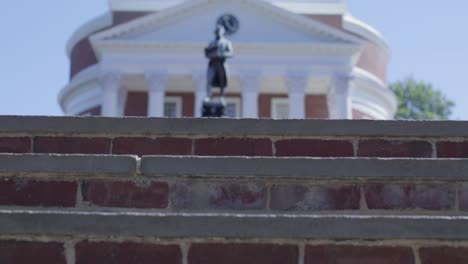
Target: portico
<point>276,74</point>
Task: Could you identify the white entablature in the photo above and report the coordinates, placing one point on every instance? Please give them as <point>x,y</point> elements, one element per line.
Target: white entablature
<point>298,6</point>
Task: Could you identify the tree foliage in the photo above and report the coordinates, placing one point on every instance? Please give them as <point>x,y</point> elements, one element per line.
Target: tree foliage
<point>421,101</point>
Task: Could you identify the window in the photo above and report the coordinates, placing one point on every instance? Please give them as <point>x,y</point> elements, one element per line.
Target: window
<point>173,107</point>
<point>280,108</point>
<point>232,107</point>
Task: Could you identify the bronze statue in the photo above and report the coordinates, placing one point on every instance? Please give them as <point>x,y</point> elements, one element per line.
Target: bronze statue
<point>217,52</point>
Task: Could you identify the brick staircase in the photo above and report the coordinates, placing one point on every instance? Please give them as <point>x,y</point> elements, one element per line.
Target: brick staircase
<point>200,191</point>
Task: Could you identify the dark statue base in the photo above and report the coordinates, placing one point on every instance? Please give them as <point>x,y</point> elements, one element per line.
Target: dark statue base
<point>213,109</point>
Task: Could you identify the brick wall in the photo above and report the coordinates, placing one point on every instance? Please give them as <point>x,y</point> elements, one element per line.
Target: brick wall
<point>208,252</point>
<point>87,190</point>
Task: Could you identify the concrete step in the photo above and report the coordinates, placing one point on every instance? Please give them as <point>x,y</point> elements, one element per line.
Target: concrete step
<point>212,225</point>
<point>235,184</point>
<point>235,167</point>
<point>229,137</point>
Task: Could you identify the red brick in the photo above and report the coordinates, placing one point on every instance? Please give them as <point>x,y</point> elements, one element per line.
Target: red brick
<point>19,252</point>
<point>332,254</point>
<point>15,145</point>
<point>148,146</point>
<point>397,149</point>
<point>233,147</point>
<point>314,148</point>
<point>452,149</point>
<point>242,253</point>
<point>69,145</point>
<point>126,194</point>
<point>303,198</point>
<point>443,255</point>
<point>410,196</point>
<point>126,253</point>
<point>136,104</point>
<point>238,196</point>
<point>23,192</point>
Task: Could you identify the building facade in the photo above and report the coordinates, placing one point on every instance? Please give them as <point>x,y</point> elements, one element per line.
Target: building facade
<point>293,59</point>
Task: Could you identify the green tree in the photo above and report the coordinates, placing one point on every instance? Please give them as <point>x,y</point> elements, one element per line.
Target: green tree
<point>421,101</point>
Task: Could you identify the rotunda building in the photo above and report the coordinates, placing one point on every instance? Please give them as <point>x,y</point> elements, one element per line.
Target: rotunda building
<point>293,59</point>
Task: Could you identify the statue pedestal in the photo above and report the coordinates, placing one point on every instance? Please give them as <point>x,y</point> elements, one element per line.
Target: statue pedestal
<point>213,108</point>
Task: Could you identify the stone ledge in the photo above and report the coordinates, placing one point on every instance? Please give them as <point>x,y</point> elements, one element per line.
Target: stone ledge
<point>235,167</point>
<point>40,125</point>
<point>74,165</point>
<point>309,168</point>
<point>162,225</point>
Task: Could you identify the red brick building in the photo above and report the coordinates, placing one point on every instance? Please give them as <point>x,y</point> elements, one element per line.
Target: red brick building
<point>294,59</point>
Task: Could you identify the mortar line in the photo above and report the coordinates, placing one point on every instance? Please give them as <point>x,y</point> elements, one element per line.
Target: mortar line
<point>417,259</point>
<point>70,252</point>
<point>185,247</point>
<point>434,148</point>
<point>301,255</point>
<point>111,147</point>
<point>362,202</point>
<point>79,195</point>
<point>355,142</point>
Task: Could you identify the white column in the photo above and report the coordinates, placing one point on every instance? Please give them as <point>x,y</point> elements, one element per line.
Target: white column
<point>110,83</point>
<point>296,82</point>
<point>199,80</point>
<point>157,83</point>
<point>250,82</point>
<point>341,98</point>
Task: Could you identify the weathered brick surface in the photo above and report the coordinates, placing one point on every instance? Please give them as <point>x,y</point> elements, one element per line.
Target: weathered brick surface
<point>15,145</point>
<point>24,192</point>
<point>314,148</point>
<point>452,149</point>
<point>463,197</point>
<point>242,253</point>
<point>71,145</point>
<point>19,252</point>
<point>300,197</point>
<point>126,253</point>
<point>443,255</point>
<point>240,196</point>
<point>410,196</point>
<point>332,254</point>
<point>126,194</point>
<point>148,146</point>
<point>233,147</point>
<point>397,149</point>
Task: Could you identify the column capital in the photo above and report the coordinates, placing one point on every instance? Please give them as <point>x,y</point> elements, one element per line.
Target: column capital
<point>250,80</point>
<point>110,80</point>
<point>200,80</point>
<point>157,80</point>
<point>340,97</point>
<point>342,83</point>
<point>297,81</point>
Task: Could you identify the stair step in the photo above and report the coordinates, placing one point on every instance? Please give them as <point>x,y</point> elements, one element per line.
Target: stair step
<point>178,225</point>
<point>235,167</point>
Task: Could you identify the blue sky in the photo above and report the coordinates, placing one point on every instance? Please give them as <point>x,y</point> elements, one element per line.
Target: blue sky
<point>428,40</point>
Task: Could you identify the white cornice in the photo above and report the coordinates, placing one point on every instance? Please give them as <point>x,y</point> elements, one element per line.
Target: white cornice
<point>100,22</point>
<point>360,28</point>
<point>182,10</point>
<point>297,6</point>
<point>248,49</point>
<point>374,86</point>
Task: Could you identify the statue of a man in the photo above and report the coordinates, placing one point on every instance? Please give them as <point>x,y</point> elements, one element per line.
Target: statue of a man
<point>217,52</point>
